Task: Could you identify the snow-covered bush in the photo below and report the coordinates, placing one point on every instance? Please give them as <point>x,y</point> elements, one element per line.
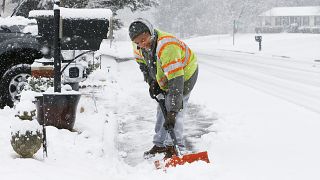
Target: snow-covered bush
<point>269,29</point>
<point>26,136</point>
<point>39,84</point>
<point>308,29</point>
<point>293,28</point>
<point>93,65</point>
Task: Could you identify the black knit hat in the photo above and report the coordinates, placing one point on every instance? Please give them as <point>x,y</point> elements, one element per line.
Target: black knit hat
<point>136,28</point>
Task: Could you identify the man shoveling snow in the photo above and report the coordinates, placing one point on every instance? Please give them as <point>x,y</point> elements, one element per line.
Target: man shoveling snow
<point>169,67</point>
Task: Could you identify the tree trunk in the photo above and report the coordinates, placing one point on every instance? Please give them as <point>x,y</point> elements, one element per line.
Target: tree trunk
<point>3,7</point>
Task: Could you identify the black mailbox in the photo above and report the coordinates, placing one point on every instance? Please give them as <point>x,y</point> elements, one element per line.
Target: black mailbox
<point>258,38</point>
<point>78,33</point>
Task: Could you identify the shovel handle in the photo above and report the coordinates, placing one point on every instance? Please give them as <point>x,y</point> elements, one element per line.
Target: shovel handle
<point>170,131</point>
<point>174,140</point>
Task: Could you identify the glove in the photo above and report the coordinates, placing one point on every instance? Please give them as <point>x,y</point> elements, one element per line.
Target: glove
<point>154,89</point>
<point>170,121</point>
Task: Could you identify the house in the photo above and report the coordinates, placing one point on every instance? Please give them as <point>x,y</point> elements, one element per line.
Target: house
<point>290,19</point>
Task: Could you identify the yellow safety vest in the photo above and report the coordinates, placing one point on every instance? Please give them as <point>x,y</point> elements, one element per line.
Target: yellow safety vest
<point>174,59</point>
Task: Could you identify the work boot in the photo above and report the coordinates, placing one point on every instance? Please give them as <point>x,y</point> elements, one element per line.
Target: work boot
<point>170,151</point>
<point>153,151</point>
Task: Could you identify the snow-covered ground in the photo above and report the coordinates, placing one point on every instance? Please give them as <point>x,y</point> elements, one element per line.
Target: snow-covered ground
<point>256,113</point>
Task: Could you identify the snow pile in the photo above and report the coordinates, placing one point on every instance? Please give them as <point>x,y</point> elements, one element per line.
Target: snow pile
<point>65,89</point>
<point>26,104</point>
<point>32,29</point>
<point>99,75</point>
<point>22,126</point>
<point>117,49</point>
<point>24,108</point>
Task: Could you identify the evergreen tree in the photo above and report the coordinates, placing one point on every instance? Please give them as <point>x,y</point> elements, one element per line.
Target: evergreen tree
<point>74,3</point>
<point>28,5</point>
<point>116,5</point>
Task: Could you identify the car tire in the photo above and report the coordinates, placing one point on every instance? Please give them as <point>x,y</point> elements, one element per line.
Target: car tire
<point>13,82</point>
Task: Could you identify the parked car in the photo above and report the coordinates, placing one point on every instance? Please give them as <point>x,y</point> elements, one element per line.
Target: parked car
<point>18,50</point>
<point>20,46</point>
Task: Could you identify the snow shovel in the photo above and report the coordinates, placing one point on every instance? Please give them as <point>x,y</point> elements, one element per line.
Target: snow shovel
<point>178,158</point>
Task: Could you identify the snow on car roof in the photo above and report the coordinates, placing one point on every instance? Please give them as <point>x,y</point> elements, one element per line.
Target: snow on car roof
<point>68,13</point>
<point>16,20</point>
<point>293,11</point>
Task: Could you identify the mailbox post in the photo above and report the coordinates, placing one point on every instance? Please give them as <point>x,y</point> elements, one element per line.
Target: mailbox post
<point>259,40</point>
<point>57,47</point>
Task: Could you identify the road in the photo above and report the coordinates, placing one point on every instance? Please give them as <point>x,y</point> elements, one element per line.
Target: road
<point>295,81</point>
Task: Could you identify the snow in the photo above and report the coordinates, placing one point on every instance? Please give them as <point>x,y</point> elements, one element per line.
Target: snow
<point>118,49</point>
<point>20,24</point>
<point>16,21</point>
<point>38,63</point>
<point>256,113</point>
<point>300,47</point>
<point>22,126</point>
<point>65,89</point>
<point>293,11</point>
<point>68,13</point>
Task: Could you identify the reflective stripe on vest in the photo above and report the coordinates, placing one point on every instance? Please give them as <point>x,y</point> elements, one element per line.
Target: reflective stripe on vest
<point>137,55</point>
<point>140,61</point>
<point>175,64</point>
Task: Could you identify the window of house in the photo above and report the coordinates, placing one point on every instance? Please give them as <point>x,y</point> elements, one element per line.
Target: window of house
<point>295,20</point>
<point>278,21</point>
<point>292,20</point>
<point>268,21</point>
<point>317,20</point>
<point>298,21</point>
<point>285,21</point>
<point>305,21</point>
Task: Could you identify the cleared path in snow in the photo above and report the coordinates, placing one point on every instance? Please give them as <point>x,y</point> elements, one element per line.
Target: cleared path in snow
<point>136,116</point>
<point>295,81</point>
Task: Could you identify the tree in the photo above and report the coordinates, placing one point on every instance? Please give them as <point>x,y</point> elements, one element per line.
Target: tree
<point>74,3</point>
<point>177,16</point>
<point>202,17</point>
<point>28,5</point>
<point>116,5</point>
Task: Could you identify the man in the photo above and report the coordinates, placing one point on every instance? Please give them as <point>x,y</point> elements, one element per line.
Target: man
<point>169,67</point>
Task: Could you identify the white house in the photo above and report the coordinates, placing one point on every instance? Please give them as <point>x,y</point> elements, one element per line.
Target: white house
<point>286,16</point>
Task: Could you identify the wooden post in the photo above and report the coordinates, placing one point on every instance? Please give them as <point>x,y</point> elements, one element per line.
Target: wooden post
<point>57,47</point>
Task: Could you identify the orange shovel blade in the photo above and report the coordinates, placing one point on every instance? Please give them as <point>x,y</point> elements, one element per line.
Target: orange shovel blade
<point>187,158</point>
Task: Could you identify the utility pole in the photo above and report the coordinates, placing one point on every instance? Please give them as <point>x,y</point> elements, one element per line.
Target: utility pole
<point>3,7</point>
<point>234,31</point>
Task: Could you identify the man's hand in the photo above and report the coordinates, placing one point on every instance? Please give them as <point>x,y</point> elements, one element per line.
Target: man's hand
<point>170,121</point>
<point>154,89</point>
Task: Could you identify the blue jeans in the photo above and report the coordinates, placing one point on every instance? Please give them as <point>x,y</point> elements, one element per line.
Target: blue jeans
<point>162,137</point>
